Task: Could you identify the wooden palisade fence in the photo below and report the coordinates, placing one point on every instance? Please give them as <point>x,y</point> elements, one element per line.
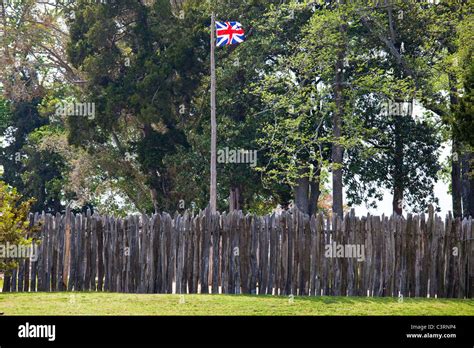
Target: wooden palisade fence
<point>231,253</point>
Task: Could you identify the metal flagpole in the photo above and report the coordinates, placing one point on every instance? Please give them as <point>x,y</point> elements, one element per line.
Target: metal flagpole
<point>213,187</point>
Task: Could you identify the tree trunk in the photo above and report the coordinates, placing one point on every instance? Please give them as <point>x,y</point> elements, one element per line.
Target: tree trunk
<point>153,177</point>
<point>397,202</point>
<point>455,161</point>
<point>398,177</point>
<point>456,180</point>
<point>307,193</point>
<point>301,194</point>
<point>465,184</point>
<point>337,151</point>
<point>235,198</point>
<point>314,197</point>
<point>468,184</point>
<point>471,188</point>
<point>154,199</point>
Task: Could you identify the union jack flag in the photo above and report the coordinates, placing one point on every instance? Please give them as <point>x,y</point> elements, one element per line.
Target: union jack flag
<point>229,33</point>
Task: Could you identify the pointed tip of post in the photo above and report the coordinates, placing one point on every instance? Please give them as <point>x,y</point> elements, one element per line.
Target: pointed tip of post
<point>430,209</point>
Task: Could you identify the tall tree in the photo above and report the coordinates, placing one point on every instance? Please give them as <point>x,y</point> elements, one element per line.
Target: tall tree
<point>293,123</point>
<point>32,48</point>
<point>142,63</point>
<point>338,114</point>
<point>464,128</point>
<point>397,152</point>
<point>423,40</point>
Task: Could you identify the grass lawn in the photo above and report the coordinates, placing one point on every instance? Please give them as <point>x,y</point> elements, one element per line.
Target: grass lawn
<point>92,303</point>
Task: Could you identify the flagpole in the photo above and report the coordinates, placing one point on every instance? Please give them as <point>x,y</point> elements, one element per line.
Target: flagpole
<point>213,187</point>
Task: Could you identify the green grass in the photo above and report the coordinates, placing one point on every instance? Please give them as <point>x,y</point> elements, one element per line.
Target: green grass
<point>84,303</point>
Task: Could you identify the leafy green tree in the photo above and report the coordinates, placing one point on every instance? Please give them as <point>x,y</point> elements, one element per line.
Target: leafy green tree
<point>464,117</point>
<point>464,129</point>
<point>34,173</point>
<point>304,90</point>
<point>15,227</point>
<point>5,115</point>
<point>319,93</point>
<point>142,63</point>
<point>397,152</point>
<point>32,48</point>
<point>291,128</point>
<point>427,42</point>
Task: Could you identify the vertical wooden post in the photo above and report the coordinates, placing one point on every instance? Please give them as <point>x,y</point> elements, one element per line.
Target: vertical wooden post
<point>67,248</point>
<point>213,189</point>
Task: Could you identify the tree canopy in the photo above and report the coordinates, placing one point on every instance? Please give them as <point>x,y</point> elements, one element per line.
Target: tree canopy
<point>106,104</point>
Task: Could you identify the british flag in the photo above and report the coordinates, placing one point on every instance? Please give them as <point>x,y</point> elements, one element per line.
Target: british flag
<point>229,33</point>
